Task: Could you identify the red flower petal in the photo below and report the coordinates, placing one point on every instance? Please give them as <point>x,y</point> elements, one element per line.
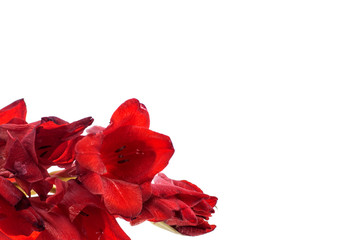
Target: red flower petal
<point>55,139</point>
<point>131,112</point>
<point>56,224</point>
<point>13,195</point>
<point>122,198</point>
<point>32,236</point>
<point>135,154</point>
<point>22,132</point>
<point>20,162</point>
<point>180,204</point>
<point>202,228</point>
<point>76,198</point>
<point>15,110</point>
<point>93,182</point>
<point>88,153</point>
<point>18,222</point>
<point>96,224</point>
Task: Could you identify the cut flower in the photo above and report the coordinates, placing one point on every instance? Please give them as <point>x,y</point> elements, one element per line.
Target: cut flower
<point>108,173</point>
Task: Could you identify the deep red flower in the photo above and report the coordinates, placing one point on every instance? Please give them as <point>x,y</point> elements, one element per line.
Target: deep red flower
<point>55,140</point>
<point>107,173</point>
<point>18,158</point>
<point>179,204</point>
<point>27,150</point>
<point>85,211</point>
<point>17,217</point>
<point>120,161</point>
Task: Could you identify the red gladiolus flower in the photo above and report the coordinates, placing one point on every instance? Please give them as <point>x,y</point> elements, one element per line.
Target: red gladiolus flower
<point>120,161</point>
<point>179,204</point>
<point>111,172</point>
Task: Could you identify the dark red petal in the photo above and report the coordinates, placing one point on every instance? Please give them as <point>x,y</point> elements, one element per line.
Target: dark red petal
<point>76,198</point>
<point>61,187</point>
<point>18,222</point>
<point>158,210</point>
<point>13,195</point>
<point>96,224</point>
<point>42,188</point>
<point>20,162</point>
<point>143,216</point>
<point>172,211</point>
<point>146,190</point>
<point>166,191</point>
<point>22,132</point>
<point>202,228</point>
<point>161,178</point>
<point>57,225</point>
<point>88,153</point>
<point>135,154</point>
<point>3,236</point>
<point>131,112</point>
<point>204,209</point>
<point>122,198</point>
<point>16,109</point>
<point>93,182</point>
<point>55,138</point>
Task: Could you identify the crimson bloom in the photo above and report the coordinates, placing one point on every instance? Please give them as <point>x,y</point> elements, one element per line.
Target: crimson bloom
<point>120,161</point>
<point>27,150</point>
<point>110,173</point>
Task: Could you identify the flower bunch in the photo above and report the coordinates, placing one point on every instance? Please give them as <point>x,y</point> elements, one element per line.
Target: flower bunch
<point>108,173</point>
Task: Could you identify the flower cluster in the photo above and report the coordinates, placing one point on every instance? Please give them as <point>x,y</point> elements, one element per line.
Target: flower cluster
<point>108,173</point>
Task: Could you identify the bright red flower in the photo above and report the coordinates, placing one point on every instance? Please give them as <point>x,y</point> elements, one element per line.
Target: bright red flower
<point>108,173</point>
<point>120,161</point>
<point>179,204</point>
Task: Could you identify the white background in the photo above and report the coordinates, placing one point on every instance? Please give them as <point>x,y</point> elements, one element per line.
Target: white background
<point>261,98</point>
